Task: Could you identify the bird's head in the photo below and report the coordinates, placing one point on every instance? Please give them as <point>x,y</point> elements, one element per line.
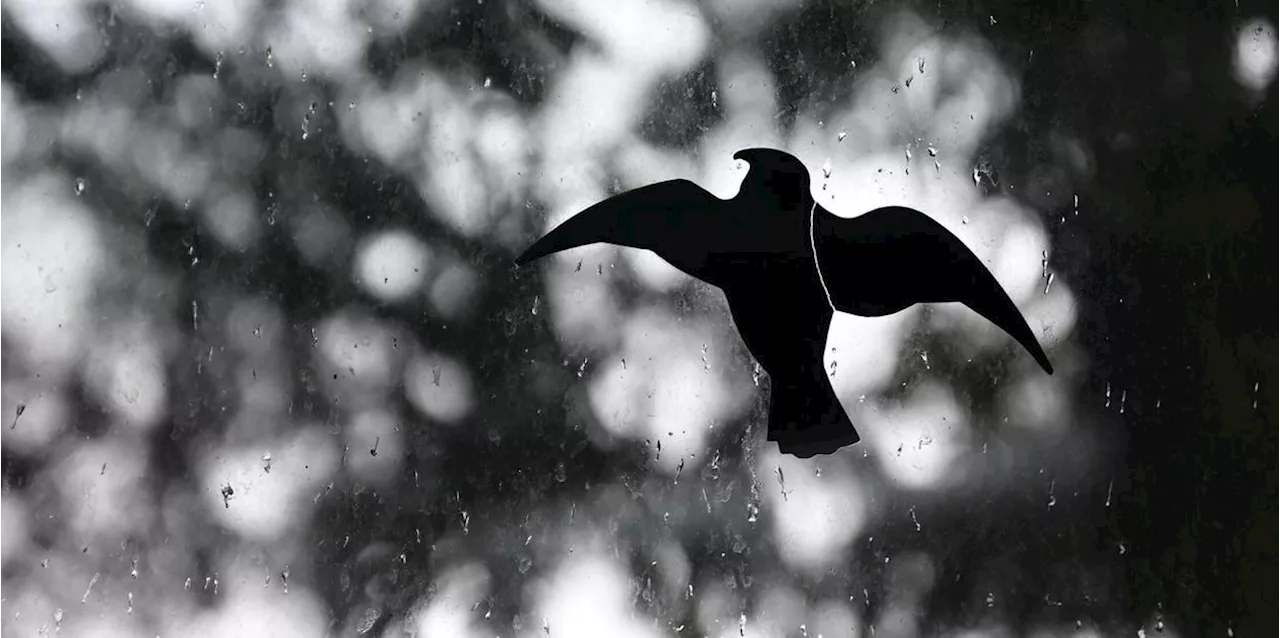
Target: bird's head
<point>776,176</point>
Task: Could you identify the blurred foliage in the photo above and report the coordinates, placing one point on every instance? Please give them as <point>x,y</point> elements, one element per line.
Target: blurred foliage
<point>268,368</point>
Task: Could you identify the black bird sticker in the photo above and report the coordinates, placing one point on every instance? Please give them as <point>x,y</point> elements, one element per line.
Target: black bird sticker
<point>786,265</point>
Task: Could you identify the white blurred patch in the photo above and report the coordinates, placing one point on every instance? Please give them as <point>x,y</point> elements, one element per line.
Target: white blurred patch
<point>452,178</point>
<point>1037,402</point>
<point>1053,315</point>
<point>99,626</point>
<point>862,352</point>
<point>61,28</point>
<point>13,138</point>
<point>391,265</point>
<point>454,290</point>
<point>318,38</point>
<point>162,158</point>
<point>106,128</point>
<point>816,517</point>
<point>52,257</point>
<point>835,618</point>
<point>586,596</point>
<point>451,612</point>
<point>262,505</point>
<point>15,526</point>
<point>232,216</point>
<point>358,349</point>
<point>390,123</point>
<point>376,447</point>
<point>583,304</point>
<point>653,271</point>
<point>439,386</point>
<point>44,414</point>
<point>502,140</point>
<point>629,28</point>
<point>918,442</point>
<point>1018,264</point>
<point>102,483</point>
<point>592,105</point>
<point>223,25</point>
<point>779,612</point>
<point>1254,59</point>
<point>125,372</point>
<point>674,386</point>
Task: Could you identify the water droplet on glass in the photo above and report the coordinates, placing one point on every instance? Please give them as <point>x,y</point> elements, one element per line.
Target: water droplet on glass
<point>933,151</point>
<point>1048,284</point>
<point>914,519</point>
<point>753,512</point>
<point>841,135</point>
<point>561,475</point>
<point>217,65</point>
<point>284,578</point>
<point>488,82</point>
<point>715,98</point>
<point>908,151</point>
<point>964,219</point>
<point>367,620</point>
<point>534,310</point>
<point>187,585</point>
<point>582,368</point>
<point>991,599</point>
<point>271,61</point>
<point>826,168</point>
<point>81,184</point>
<point>84,599</point>
<point>755,374</point>
<point>1108,395</point>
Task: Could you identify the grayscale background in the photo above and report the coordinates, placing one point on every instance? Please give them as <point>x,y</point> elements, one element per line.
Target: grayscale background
<point>268,369</point>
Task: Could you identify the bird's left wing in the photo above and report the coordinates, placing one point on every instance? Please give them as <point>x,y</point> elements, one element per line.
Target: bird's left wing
<point>894,257</point>
<point>658,217</point>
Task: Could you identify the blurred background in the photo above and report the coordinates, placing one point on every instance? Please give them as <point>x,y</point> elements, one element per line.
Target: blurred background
<point>268,369</point>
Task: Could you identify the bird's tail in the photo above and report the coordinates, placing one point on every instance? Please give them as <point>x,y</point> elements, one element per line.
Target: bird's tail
<point>805,416</point>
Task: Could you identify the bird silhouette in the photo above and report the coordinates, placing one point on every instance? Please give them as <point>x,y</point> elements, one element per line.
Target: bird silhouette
<point>786,265</point>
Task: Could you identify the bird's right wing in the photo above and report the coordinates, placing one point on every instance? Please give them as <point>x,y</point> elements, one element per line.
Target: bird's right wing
<point>659,217</point>
<point>894,257</point>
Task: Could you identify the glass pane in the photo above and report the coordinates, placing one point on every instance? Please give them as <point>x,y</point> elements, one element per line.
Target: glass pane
<point>270,368</point>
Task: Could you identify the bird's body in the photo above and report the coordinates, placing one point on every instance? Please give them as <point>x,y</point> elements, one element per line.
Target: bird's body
<point>786,265</point>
